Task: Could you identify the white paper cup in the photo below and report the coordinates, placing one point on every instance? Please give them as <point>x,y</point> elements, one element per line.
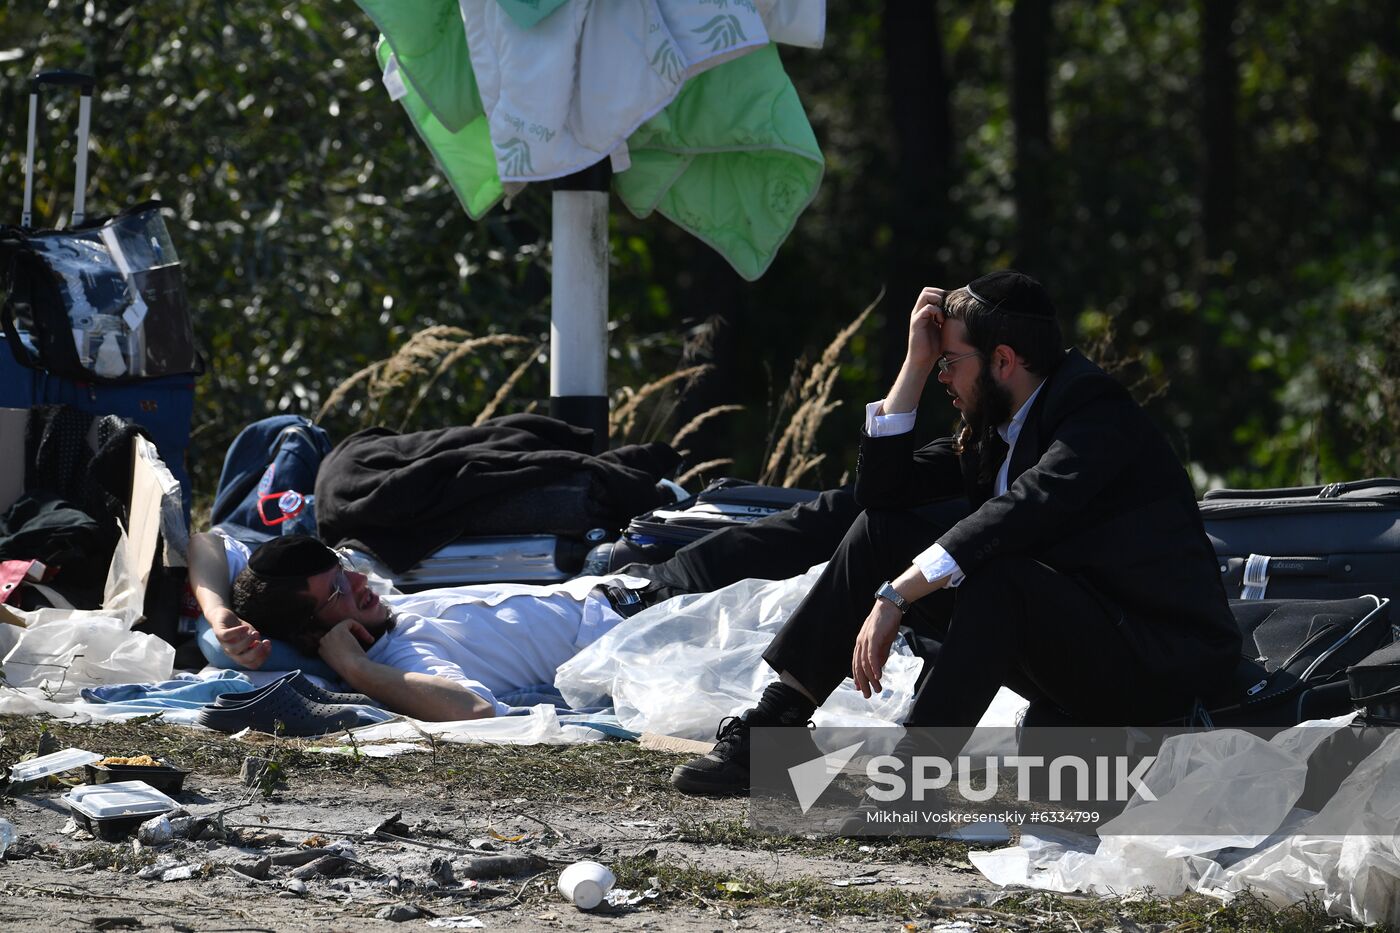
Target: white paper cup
<point>585,883</point>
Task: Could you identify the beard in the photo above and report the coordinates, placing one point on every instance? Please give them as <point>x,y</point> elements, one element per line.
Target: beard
<point>982,414</point>
<point>989,408</point>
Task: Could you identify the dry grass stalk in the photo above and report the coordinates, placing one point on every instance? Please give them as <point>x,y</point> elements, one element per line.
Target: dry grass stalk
<point>623,419</point>
<point>1128,368</point>
<point>809,399</point>
<point>693,425</point>
<point>700,468</point>
<point>423,359</point>
<point>340,392</point>
<point>508,386</point>
<point>454,356</point>
<point>801,468</point>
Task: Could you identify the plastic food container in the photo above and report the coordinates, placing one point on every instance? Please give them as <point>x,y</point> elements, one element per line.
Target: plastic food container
<point>111,811</point>
<point>54,763</point>
<point>163,777</point>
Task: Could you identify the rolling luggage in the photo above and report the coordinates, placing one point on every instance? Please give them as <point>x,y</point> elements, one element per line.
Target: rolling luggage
<point>656,535</point>
<point>95,315</point>
<point>1309,542</point>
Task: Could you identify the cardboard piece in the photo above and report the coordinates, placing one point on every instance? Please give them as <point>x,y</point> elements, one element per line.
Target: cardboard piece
<point>670,743</point>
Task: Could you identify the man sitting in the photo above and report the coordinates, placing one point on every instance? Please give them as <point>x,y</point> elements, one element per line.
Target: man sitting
<point>439,655</point>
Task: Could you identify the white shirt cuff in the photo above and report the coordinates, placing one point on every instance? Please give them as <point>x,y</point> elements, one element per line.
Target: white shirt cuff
<point>936,563</point>
<point>878,425</point>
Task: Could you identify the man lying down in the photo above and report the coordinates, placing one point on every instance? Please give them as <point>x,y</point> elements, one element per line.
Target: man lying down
<point>440,655</point>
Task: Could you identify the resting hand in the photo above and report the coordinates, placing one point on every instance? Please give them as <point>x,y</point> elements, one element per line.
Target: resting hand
<point>344,645</point>
<point>873,645</point>
<point>925,329</point>
<point>240,641</point>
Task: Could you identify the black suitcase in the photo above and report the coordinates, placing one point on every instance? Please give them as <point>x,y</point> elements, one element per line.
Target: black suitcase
<point>1308,542</point>
<point>656,535</point>
<point>1375,684</point>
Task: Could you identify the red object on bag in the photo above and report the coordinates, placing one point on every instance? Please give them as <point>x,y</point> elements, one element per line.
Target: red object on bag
<point>15,572</point>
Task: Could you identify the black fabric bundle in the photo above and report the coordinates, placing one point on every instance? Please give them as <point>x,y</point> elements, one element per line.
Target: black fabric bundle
<point>403,496</point>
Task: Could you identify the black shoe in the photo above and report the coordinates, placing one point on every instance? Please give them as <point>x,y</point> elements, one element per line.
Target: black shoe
<point>724,771</point>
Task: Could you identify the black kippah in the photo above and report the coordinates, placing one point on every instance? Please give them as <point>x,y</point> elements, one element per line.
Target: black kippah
<point>1010,292</point>
<point>292,556</point>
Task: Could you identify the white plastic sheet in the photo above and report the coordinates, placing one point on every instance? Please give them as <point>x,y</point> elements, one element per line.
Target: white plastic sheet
<point>1228,779</point>
<point>678,668</point>
<point>540,727</point>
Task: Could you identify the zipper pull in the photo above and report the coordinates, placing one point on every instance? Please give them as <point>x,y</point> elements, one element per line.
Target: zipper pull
<point>1256,688</point>
<point>1330,491</point>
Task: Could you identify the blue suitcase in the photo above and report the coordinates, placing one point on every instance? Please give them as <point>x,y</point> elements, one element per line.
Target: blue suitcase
<point>163,405</point>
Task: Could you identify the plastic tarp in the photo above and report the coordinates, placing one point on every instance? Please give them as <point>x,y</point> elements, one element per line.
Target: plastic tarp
<point>1219,790</point>
<point>681,666</point>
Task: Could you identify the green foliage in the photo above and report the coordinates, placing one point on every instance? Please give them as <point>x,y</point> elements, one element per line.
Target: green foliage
<point>317,235</point>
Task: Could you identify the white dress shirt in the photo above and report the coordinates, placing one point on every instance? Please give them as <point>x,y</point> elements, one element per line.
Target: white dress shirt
<point>936,563</point>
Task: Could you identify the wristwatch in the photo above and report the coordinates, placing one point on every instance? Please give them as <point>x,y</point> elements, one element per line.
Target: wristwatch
<point>888,593</point>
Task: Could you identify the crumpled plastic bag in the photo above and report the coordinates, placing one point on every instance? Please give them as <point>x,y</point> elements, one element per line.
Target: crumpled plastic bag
<point>1240,781</point>
<point>540,727</point>
<point>681,666</point>
<point>1357,873</point>
<point>62,651</point>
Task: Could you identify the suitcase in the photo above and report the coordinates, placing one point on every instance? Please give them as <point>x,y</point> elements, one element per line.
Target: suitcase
<point>1309,542</point>
<point>1375,684</point>
<point>656,535</point>
<point>162,404</point>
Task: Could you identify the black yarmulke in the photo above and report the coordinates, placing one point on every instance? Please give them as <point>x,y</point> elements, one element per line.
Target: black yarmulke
<point>292,556</point>
<point>1011,292</point>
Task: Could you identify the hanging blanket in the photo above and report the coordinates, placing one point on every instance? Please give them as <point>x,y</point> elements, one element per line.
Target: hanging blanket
<point>718,144</point>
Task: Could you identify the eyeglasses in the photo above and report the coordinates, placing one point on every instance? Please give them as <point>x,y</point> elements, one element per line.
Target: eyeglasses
<point>946,362</point>
<point>339,587</point>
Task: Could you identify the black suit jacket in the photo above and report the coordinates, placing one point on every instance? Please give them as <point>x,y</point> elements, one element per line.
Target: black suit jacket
<point>1096,493</point>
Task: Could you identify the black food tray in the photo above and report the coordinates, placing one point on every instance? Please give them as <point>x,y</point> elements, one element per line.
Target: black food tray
<point>165,778</point>
<point>112,829</point>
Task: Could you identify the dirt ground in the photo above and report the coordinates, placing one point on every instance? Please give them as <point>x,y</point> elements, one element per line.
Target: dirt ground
<point>691,864</point>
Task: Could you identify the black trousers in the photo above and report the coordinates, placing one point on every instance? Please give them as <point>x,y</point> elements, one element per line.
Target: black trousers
<point>1016,622</point>
<point>773,548</point>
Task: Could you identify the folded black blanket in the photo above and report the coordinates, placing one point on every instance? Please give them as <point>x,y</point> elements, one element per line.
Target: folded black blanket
<point>403,496</point>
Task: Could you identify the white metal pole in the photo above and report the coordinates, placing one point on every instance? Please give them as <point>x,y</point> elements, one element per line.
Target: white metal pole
<point>578,330</point>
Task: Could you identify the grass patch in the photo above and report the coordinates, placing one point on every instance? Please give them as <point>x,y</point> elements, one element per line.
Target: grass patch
<point>680,884</point>
<point>732,892</point>
<point>907,850</point>
<point>612,771</point>
<point>1247,913</point>
<point>108,857</point>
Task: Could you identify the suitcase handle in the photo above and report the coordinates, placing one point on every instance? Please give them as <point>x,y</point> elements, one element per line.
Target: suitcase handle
<point>64,78</point>
<point>85,84</point>
<point>1381,485</point>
